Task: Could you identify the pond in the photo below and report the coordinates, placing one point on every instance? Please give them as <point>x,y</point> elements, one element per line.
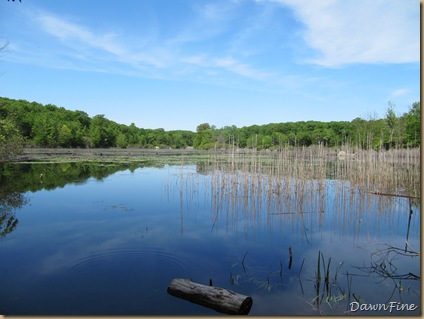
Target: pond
<point>90,239</point>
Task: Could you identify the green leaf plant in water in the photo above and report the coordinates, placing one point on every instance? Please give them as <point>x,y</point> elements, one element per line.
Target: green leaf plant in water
<point>327,287</point>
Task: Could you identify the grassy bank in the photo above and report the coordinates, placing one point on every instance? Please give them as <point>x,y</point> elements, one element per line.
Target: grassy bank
<point>116,155</point>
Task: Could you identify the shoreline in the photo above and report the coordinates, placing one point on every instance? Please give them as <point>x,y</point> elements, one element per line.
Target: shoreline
<point>98,154</point>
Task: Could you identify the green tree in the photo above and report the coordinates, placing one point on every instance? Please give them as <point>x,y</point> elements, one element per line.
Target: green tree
<point>11,140</point>
<point>395,127</point>
<point>45,130</point>
<point>133,135</point>
<point>101,132</point>
<point>203,138</point>
<point>267,142</point>
<point>413,125</point>
<point>121,140</point>
<point>65,137</point>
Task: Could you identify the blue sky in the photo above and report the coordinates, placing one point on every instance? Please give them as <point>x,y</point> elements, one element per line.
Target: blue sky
<point>175,64</point>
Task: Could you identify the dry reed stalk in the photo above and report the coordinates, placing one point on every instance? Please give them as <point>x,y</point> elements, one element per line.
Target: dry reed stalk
<point>297,180</point>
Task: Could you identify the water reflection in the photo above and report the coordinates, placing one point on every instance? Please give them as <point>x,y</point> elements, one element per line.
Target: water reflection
<point>104,240</point>
<point>310,206</point>
<point>9,203</point>
<point>18,179</point>
<point>315,214</point>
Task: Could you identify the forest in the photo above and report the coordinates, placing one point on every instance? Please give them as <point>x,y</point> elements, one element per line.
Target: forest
<point>31,124</point>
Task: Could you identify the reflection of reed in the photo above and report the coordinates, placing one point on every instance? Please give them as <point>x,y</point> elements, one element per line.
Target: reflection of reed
<point>276,187</point>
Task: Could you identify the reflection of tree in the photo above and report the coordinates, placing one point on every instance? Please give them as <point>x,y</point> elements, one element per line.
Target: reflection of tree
<point>8,205</point>
<point>22,178</point>
<point>17,179</point>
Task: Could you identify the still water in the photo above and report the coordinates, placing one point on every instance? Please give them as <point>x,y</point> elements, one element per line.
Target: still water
<point>107,240</point>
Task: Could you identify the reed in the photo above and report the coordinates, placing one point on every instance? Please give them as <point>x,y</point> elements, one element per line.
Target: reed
<point>330,291</point>
<point>249,188</point>
<point>259,186</point>
<point>392,171</point>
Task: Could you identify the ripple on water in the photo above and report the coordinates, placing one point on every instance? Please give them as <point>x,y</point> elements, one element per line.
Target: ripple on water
<point>125,274</point>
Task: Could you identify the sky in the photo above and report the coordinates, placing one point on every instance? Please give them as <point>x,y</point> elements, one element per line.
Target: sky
<point>175,64</point>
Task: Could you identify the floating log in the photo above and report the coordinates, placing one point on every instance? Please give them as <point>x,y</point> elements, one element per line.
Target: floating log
<point>219,299</point>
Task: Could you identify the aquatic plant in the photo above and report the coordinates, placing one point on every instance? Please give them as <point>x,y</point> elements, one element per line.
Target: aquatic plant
<point>293,186</point>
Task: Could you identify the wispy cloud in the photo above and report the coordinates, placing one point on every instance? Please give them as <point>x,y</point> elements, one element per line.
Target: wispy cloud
<point>359,31</point>
<point>241,69</point>
<point>66,31</point>
<point>232,41</point>
<point>83,40</point>
<point>80,47</point>
<point>399,92</point>
<point>83,47</point>
<point>209,20</point>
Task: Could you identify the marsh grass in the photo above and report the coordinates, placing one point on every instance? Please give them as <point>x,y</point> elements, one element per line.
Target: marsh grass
<point>246,189</point>
<point>387,172</point>
<point>329,288</point>
<point>293,184</point>
<point>395,172</point>
<point>268,277</point>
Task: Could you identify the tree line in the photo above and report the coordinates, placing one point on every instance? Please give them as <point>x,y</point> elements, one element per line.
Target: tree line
<point>33,124</point>
<point>53,126</point>
<point>392,131</point>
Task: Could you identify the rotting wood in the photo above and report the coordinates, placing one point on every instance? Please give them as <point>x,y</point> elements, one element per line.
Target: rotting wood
<point>296,213</point>
<point>394,195</point>
<point>219,299</point>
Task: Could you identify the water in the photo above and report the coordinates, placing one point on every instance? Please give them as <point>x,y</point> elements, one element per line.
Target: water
<point>108,240</point>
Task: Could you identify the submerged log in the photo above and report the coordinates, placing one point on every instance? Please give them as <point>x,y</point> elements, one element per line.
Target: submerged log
<point>219,299</point>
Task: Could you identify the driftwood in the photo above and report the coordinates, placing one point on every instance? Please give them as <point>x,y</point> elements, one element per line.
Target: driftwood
<point>219,299</point>
<point>394,195</point>
<point>295,213</point>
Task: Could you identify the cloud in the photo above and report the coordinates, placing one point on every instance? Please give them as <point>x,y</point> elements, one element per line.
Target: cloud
<point>205,42</point>
<point>242,69</point>
<point>209,20</point>
<point>399,92</point>
<point>97,47</point>
<point>149,58</point>
<point>194,59</point>
<point>213,46</point>
<point>65,30</point>
<point>359,31</point>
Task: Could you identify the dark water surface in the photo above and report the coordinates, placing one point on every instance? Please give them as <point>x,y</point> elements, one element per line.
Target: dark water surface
<point>108,240</point>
